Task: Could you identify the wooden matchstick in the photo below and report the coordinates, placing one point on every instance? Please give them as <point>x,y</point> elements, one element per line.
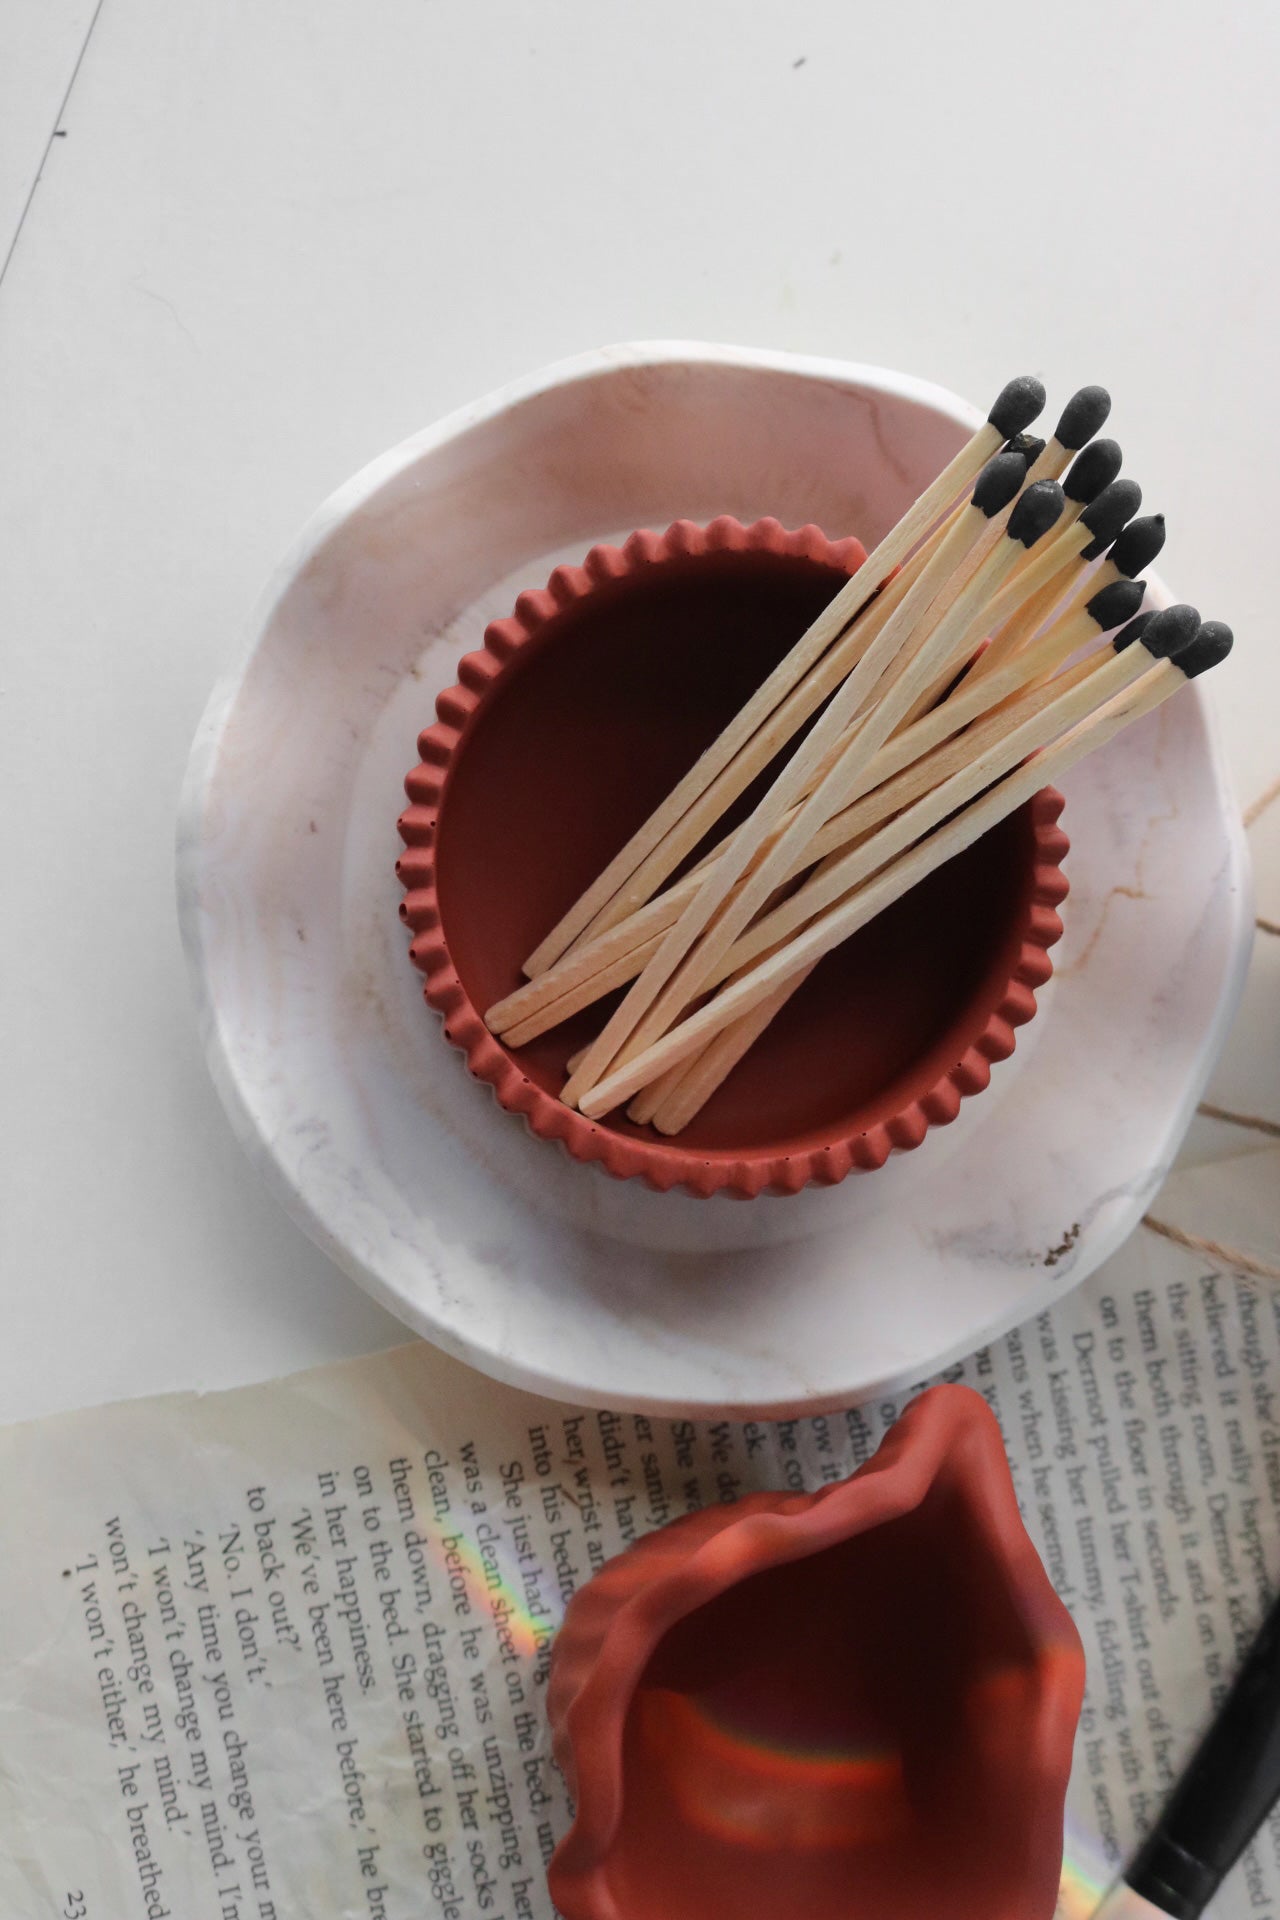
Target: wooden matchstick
<point>1211,644</point>
<point>682,1091</point>
<point>1023,603</point>
<point>686,1087</point>
<point>1031,615</point>
<point>764,745</point>
<point>1029,445</point>
<point>649,1101</point>
<point>1016,406</point>
<point>591,972</point>
<point>786,721</point>
<point>584,993</point>
<point>996,485</point>
<point>1034,513</point>
<point>942,783</point>
<point>1139,544</point>
<point>587,989</point>
<point>632,907</point>
<point>1084,415</point>
<point>1135,548</point>
<point>690,1084</point>
<point>577,979</point>
<point>886,798</point>
<point>638,931</point>
<point>1100,520</point>
<point>671,1101</point>
<point>1093,468</point>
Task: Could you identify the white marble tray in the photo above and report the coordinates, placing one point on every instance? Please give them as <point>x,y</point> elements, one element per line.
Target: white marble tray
<point>491,1243</point>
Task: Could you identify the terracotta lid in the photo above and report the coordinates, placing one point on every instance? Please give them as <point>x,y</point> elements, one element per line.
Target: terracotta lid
<point>576,717</point>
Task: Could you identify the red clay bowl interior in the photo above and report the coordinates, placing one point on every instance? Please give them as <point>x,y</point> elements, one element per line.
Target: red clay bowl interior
<point>577,719</point>
<point>845,1767</point>
<point>880,1726</point>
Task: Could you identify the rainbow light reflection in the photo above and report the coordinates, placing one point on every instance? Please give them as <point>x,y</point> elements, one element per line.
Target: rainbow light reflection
<point>1081,1891</point>
<point>490,1586</point>
<point>758,1792</point>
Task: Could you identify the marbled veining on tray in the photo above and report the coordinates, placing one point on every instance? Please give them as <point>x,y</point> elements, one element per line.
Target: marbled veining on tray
<point>492,1243</point>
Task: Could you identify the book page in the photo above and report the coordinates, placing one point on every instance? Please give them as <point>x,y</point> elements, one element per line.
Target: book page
<point>284,1650</point>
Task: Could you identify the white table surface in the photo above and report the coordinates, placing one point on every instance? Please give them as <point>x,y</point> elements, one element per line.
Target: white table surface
<point>269,241</point>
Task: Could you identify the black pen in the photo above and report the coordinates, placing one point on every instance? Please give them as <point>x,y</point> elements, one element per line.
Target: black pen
<point>1226,1792</point>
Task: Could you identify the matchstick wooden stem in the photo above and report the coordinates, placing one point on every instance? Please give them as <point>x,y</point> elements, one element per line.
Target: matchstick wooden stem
<point>588,986</point>
<point>1045,560</point>
<point>637,931</point>
<point>644,1108</point>
<point>550,1013</point>
<point>753,758</point>
<point>672,1100</point>
<point>1032,571</point>
<point>959,474</point>
<point>974,697</point>
<point>1053,461</point>
<point>592,971</point>
<point>944,782</point>
<point>930,769</point>
<point>592,987</point>
<point>1092,595</point>
<point>848,700</point>
<point>975,661</point>
<point>908,651</point>
<point>1105,576</point>
<point>1083,416</point>
<point>844,919</point>
<point>685,1089</point>
<point>704,962</point>
<point>1028,620</point>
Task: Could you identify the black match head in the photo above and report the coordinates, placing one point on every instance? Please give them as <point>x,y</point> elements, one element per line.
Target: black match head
<point>1092,470</point>
<point>1137,546</point>
<point>1038,509</point>
<point>1017,405</point>
<point>998,482</point>
<point>1114,507</point>
<point>1212,644</point>
<point>1028,447</point>
<point>1112,606</point>
<point>1171,630</point>
<point>1084,415</point>
<point>1134,631</point>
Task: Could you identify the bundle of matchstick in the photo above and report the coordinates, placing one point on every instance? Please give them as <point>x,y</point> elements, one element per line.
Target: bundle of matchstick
<point>976,655</point>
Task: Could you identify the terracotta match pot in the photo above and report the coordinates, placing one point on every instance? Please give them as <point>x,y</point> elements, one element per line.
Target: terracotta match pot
<point>860,1701</point>
<point>565,730</point>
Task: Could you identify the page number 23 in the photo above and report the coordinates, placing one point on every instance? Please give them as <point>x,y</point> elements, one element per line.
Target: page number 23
<point>74,1908</point>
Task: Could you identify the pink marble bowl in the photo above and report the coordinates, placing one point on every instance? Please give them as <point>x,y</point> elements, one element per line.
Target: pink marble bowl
<point>564,731</point>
